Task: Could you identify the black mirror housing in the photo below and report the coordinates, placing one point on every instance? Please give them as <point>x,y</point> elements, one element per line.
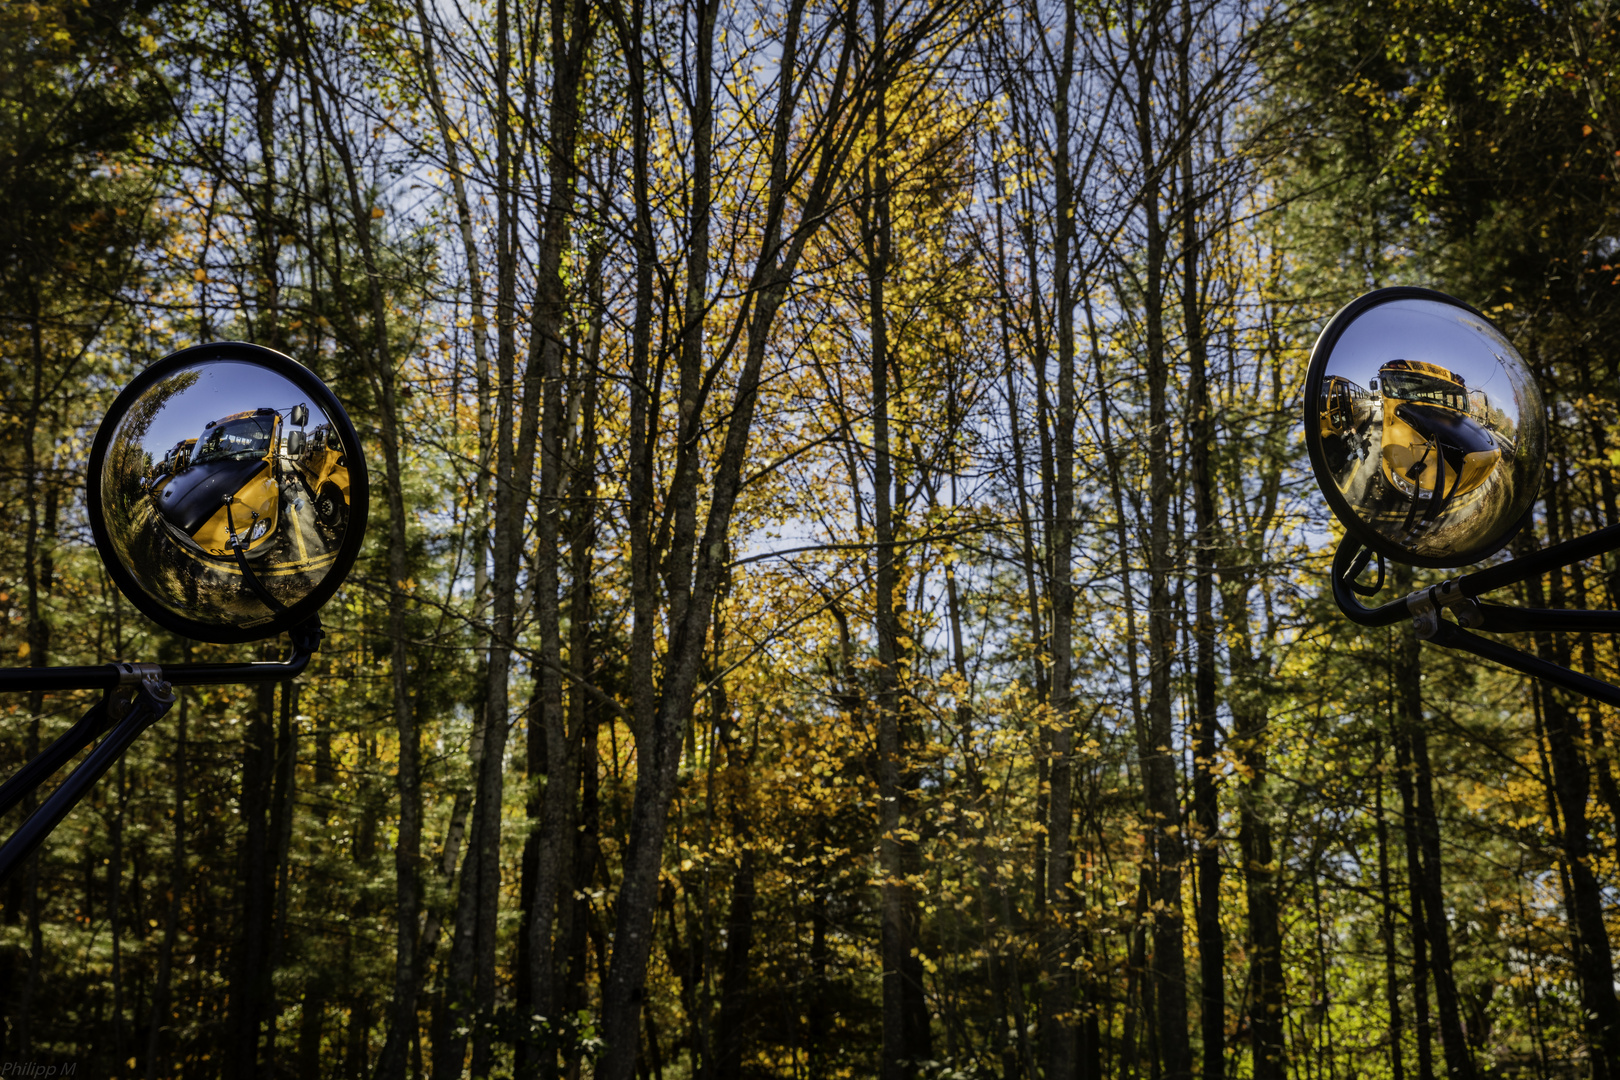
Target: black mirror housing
<point>1437,461</point>
<point>226,549</point>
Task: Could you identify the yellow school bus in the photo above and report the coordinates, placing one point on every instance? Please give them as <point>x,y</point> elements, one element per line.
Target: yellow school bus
<point>227,497</point>
<point>325,472</point>
<point>1432,441</point>
<point>1343,408</point>
<point>173,460</point>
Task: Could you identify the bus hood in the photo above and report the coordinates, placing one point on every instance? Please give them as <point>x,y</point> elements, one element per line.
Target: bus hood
<point>195,494</point>
<point>1457,434</point>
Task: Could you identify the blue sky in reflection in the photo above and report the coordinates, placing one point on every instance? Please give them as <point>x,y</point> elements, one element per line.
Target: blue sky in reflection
<point>223,387</point>
<point>1435,333</point>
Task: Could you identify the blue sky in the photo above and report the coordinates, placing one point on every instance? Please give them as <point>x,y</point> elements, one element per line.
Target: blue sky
<point>1433,332</point>
<point>222,388</point>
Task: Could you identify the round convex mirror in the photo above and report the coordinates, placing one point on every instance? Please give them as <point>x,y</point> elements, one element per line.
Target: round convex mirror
<point>227,492</point>
<point>1425,427</point>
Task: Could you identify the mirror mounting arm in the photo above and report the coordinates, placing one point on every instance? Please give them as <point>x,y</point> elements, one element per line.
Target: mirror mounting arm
<point>1461,594</point>
<point>1502,619</point>
<point>135,696</point>
<point>1425,606</point>
<point>306,638</point>
<point>1452,636</point>
<point>136,708</point>
<point>1536,563</point>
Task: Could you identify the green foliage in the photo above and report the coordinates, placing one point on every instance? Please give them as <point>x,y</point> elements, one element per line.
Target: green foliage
<point>322,189</point>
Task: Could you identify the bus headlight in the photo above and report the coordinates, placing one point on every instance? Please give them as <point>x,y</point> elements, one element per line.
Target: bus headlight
<point>260,527</point>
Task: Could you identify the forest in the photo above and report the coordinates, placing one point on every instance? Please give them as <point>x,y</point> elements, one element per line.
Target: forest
<point>845,593</point>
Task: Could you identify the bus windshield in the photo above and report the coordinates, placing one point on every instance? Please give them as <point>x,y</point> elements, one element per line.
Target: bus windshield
<point>1412,386</point>
<point>235,440</point>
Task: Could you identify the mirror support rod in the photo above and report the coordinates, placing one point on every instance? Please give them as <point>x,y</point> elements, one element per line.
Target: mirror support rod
<point>1541,562</point>
<point>305,639</point>
<point>1424,607</point>
<point>1453,636</point>
<point>1501,619</point>
<point>1460,592</point>
<point>151,700</point>
<point>59,753</point>
<point>1344,570</point>
<point>136,696</point>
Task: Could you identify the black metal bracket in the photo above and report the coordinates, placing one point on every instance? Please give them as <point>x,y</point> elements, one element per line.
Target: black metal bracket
<point>150,699</point>
<point>306,638</point>
<point>135,696</point>
<point>1461,597</point>
<point>1455,637</point>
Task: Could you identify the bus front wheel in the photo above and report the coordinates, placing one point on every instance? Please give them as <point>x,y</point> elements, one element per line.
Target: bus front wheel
<point>330,508</point>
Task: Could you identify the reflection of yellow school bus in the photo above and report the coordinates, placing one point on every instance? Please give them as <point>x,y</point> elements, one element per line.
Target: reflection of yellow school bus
<point>179,454</point>
<point>325,472</point>
<point>173,460</point>
<point>227,496</point>
<point>1432,442</point>
<point>1343,408</point>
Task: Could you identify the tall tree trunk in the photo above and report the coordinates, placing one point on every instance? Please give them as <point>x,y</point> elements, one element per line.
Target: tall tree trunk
<point>115,875</point>
<point>901,1047</point>
<point>250,974</point>
<point>1594,964</point>
<point>1392,986</point>
<point>1159,758</point>
<point>571,33</point>
<point>378,362</point>
<point>1453,1037</point>
<point>284,790</point>
<point>1419,926</point>
<point>1024,1062</point>
<point>1058,1004</point>
<point>731,1027</point>
<point>1136,951</point>
<point>451,1003</point>
<point>1206,809</point>
<point>37,544</point>
<point>161,991</point>
<point>1409,702</point>
<point>621,1005</point>
<point>583,653</point>
<point>1261,869</point>
<point>469,990</point>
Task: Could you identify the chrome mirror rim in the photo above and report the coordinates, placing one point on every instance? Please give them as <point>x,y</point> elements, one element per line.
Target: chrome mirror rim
<point>1352,522</point>
<point>359,497</point>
